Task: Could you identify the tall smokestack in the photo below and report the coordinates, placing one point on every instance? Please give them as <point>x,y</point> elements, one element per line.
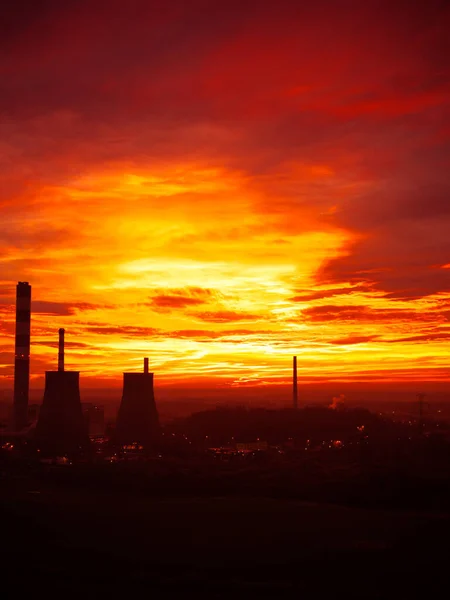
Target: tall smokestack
<point>61,350</point>
<point>146,365</point>
<point>22,354</point>
<point>294,384</point>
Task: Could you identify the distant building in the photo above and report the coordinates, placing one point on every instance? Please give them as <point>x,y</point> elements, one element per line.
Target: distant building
<point>137,419</point>
<point>61,427</point>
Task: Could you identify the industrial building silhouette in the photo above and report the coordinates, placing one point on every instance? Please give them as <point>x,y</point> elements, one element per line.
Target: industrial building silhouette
<point>22,355</point>
<point>61,427</point>
<point>137,419</point>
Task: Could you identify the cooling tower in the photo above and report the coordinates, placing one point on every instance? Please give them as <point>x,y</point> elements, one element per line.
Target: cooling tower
<point>61,427</point>
<point>22,354</point>
<point>137,419</point>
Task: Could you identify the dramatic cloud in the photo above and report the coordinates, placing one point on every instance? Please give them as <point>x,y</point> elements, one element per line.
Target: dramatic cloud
<point>332,312</point>
<point>124,331</point>
<point>308,295</point>
<point>181,298</point>
<point>67,345</point>
<point>354,339</point>
<point>61,309</point>
<point>426,337</point>
<point>173,171</point>
<point>225,316</point>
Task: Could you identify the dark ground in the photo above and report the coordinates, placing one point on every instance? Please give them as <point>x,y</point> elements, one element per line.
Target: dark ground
<point>68,542</point>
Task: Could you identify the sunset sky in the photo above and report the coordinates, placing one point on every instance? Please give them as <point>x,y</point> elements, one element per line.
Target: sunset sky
<point>219,185</point>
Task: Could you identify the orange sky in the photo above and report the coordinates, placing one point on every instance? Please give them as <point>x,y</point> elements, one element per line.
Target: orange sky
<point>220,188</point>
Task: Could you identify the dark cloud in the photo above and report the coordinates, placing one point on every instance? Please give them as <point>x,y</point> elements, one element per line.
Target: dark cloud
<point>175,301</point>
<point>332,312</point>
<point>354,339</point>
<point>425,337</point>
<point>67,344</point>
<point>404,262</point>
<point>125,331</point>
<point>62,309</point>
<point>114,51</point>
<point>18,16</point>
<point>207,334</point>
<point>225,316</point>
<point>139,332</point>
<point>181,298</point>
<point>308,295</point>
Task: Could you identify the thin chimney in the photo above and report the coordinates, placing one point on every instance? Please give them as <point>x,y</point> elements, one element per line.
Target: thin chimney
<point>145,365</point>
<point>22,354</point>
<point>294,384</point>
<point>61,350</point>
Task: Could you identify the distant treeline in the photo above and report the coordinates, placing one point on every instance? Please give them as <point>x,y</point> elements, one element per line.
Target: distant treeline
<point>224,425</point>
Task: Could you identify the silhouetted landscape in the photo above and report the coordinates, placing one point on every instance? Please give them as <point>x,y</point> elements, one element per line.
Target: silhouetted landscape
<point>362,494</point>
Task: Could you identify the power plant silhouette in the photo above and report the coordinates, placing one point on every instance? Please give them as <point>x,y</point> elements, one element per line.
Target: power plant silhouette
<point>137,419</point>
<point>61,426</point>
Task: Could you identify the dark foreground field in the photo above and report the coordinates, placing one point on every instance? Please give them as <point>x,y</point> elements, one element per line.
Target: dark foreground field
<point>86,544</point>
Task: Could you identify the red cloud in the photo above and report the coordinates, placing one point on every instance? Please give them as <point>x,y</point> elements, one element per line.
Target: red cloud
<point>332,312</point>
<point>225,316</point>
<point>354,339</point>
<point>259,88</point>
<point>308,295</point>
<point>62,309</point>
<point>125,331</point>
<point>180,298</point>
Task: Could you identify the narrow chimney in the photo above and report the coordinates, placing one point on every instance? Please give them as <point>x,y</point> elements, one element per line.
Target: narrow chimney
<point>294,384</point>
<point>61,350</point>
<point>22,354</point>
<point>145,365</point>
